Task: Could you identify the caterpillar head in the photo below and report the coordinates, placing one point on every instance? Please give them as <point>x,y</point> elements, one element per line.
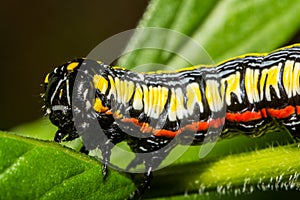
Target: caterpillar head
<point>58,98</point>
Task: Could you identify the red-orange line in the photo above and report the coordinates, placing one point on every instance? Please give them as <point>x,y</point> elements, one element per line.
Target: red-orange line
<point>215,123</point>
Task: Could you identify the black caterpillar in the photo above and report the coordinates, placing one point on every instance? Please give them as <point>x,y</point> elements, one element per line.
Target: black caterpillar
<point>147,110</point>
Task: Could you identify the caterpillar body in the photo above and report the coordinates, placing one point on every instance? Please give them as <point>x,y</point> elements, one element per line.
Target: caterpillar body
<point>147,110</point>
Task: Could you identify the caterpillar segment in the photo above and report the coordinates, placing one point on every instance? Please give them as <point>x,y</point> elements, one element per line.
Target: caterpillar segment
<point>252,89</point>
<point>148,110</point>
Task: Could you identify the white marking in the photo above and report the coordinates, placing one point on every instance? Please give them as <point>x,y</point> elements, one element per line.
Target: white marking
<point>256,79</point>
<point>138,102</point>
<point>296,88</point>
<point>55,70</point>
<point>146,99</point>
<point>62,108</point>
<point>55,91</point>
<point>141,76</point>
<point>214,99</point>
<point>88,105</point>
<point>85,94</point>
<point>68,92</point>
<point>172,112</point>
<point>181,112</point>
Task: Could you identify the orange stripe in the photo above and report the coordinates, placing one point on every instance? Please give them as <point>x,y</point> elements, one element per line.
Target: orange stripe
<point>244,117</point>
<point>216,123</point>
<point>281,113</point>
<point>166,133</point>
<point>144,127</point>
<point>109,112</point>
<point>298,110</point>
<point>197,126</point>
<point>194,126</point>
<point>264,112</point>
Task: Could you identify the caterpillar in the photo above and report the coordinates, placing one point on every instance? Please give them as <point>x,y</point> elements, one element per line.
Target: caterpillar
<point>148,110</point>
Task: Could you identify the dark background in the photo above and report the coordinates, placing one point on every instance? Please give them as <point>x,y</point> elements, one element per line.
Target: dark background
<point>36,36</point>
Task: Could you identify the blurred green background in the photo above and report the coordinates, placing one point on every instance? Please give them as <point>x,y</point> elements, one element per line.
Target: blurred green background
<point>36,36</point>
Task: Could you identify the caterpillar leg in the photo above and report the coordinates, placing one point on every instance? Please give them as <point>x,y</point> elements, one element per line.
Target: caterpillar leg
<point>150,152</point>
<point>137,194</point>
<point>148,175</point>
<point>84,150</point>
<point>106,152</point>
<point>62,135</point>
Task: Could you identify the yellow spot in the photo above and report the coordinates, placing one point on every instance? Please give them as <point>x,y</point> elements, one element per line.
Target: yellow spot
<point>129,91</point>
<point>160,96</point>
<point>46,81</point>
<point>137,98</point>
<point>251,87</point>
<point>118,114</point>
<point>296,79</point>
<point>112,90</point>
<point>180,109</point>
<point>146,99</point>
<point>156,103</point>
<point>118,89</point>
<point>163,97</point>
<point>233,86</point>
<point>98,106</point>
<point>60,93</point>
<point>100,83</point>
<point>72,66</point>
<point>270,77</point>
<point>152,94</point>
<point>213,97</point>
<point>194,96</point>
<point>122,90</point>
<point>287,78</point>
<point>172,109</point>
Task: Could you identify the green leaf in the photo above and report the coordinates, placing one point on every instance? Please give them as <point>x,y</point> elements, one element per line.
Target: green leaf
<point>223,28</point>
<point>33,169</point>
<point>271,169</point>
<point>182,16</point>
<point>42,129</point>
